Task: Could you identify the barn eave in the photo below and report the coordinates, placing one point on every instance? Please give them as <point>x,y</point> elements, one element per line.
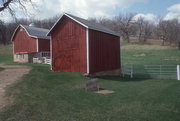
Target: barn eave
<point>83,22</point>
<point>36,37</point>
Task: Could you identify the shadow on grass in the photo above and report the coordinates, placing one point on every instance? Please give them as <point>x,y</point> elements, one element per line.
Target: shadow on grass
<point>137,78</point>
<point>121,79</point>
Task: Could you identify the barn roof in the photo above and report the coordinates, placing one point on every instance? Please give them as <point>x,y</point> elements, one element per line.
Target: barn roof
<point>35,32</point>
<point>87,24</point>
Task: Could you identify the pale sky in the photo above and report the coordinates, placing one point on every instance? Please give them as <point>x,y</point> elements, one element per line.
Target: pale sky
<point>149,9</point>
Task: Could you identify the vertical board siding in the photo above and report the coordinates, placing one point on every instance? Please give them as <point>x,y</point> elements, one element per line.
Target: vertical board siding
<point>104,50</point>
<point>69,47</point>
<point>44,45</point>
<point>23,43</point>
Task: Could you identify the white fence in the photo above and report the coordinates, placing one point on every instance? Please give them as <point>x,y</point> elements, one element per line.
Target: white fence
<point>163,71</point>
<point>44,54</point>
<point>42,60</point>
<point>36,60</point>
<point>47,61</point>
<point>152,71</point>
<point>127,70</point>
<point>42,57</point>
<point>178,72</point>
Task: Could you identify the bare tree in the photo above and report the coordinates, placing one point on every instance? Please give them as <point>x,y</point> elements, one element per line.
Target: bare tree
<point>8,5</point>
<point>162,31</point>
<point>168,31</point>
<point>6,30</point>
<point>140,24</point>
<point>94,20</point>
<point>144,29</point>
<point>148,30</point>
<point>2,32</point>
<point>123,25</point>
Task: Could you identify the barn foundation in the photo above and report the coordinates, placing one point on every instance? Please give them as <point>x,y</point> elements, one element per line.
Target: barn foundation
<point>116,72</point>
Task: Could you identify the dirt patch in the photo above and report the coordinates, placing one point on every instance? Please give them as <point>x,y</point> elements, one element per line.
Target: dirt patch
<point>145,47</point>
<point>140,55</point>
<point>104,92</point>
<point>7,77</point>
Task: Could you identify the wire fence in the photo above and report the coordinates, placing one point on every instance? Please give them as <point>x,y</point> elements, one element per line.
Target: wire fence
<point>152,71</point>
<point>162,71</point>
<point>127,70</point>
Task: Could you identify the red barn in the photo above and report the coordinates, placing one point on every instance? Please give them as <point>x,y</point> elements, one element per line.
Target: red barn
<point>30,42</point>
<point>79,45</point>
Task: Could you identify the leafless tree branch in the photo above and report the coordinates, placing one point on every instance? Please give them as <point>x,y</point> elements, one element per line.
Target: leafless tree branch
<point>7,5</point>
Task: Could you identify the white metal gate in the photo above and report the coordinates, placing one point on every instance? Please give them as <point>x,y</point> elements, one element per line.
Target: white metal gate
<point>127,70</point>
<point>163,71</point>
<point>152,71</point>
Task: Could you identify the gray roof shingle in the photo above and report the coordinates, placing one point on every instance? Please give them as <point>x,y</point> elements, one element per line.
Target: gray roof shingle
<point>89,25</point>
<point>37,32</point>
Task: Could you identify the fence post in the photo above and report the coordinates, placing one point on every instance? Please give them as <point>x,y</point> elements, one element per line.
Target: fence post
<point>178,74</point>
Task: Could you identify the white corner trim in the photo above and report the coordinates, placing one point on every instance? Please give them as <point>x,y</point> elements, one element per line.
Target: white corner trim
<point>37,45</point>
<point>87,49</point>
<point>51,51</point>
<point>14,33</point>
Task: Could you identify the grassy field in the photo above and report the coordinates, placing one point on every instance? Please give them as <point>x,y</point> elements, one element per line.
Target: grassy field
<point>140,55</point>
<point>43,95</point>
<point>6,54</point>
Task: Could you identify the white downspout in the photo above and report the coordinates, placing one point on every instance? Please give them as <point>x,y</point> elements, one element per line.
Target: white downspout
<point>87,49</point>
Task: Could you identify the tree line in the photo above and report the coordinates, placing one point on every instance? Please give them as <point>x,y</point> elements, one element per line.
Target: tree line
<point>7,29</point>
<point>166,30</point>
<point>125,24</point>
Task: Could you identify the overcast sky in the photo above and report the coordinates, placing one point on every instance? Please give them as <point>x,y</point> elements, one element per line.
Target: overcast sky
<point>149,9</point>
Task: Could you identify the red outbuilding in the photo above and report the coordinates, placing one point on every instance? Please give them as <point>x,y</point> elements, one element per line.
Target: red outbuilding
<point>30,42</point>
<point>78,45</point>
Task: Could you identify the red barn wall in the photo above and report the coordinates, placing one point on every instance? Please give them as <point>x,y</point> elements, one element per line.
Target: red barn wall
<point>44,45</point>
<point>104,51</point>
<point>69,47</point>
<point>23,43</point>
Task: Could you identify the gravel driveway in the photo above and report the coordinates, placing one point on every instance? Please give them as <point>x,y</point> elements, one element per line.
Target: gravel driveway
<point>7,77</point>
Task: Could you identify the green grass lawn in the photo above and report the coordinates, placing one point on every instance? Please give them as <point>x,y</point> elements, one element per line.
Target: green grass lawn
<point>140,55</point>
<point>6,55</point>
<point>51,96</point>
<point>43,95</point>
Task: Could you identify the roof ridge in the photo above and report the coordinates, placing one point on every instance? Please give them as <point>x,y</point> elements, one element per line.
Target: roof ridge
<point>34,27</point>
<point>87,24</point>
